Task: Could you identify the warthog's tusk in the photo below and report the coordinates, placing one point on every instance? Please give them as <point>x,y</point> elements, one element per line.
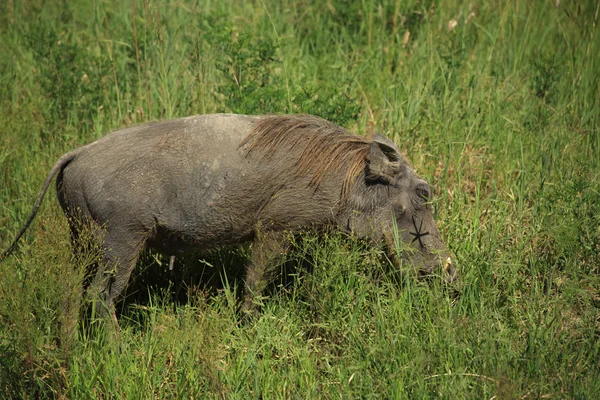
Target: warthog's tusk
<point>448,264</point>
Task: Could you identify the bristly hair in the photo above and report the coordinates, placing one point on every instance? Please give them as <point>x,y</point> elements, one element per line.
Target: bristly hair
<point>314,145</point>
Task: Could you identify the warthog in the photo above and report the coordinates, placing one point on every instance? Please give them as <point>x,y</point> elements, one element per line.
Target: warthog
<point>205,181</point>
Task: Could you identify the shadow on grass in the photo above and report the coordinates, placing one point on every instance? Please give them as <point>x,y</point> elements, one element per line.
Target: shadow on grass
<point>203,276</point>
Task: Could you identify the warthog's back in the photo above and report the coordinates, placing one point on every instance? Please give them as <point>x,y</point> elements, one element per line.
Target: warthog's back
<point>166,175</point>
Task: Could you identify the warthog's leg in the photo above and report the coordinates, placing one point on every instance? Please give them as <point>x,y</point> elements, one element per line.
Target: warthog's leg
<point>86,239</point>
<point>268,250</point>
<point>121,252</point>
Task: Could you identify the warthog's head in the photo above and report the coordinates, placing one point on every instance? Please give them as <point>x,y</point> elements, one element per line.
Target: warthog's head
<point>381,197</point>
<point>389,203</point>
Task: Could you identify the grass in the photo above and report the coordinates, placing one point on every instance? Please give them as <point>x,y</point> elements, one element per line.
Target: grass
<point>500,114</point>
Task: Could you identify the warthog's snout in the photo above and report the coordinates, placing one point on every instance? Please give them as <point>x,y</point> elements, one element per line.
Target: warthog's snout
<point>443,267</point>
<point>427,264</point>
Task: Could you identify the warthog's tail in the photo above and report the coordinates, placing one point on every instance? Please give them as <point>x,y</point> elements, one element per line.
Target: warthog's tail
<point>64,160</point>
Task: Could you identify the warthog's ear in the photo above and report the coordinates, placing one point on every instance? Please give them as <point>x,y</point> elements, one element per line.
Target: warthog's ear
<point>385,161</point>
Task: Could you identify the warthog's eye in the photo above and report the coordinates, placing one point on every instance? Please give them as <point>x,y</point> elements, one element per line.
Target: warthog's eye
<point>423,192</point>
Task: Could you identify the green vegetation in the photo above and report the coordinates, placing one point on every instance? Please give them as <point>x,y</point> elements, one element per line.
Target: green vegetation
<point>501,114</point>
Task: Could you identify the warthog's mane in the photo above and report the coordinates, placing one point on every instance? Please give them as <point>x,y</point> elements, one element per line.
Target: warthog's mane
<point>312,146</point>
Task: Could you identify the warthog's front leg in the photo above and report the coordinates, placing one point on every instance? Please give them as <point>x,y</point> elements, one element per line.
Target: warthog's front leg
<point>268,251</point>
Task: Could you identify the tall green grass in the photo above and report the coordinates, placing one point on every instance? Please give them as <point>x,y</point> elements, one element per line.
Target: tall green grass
<point>500,114</point>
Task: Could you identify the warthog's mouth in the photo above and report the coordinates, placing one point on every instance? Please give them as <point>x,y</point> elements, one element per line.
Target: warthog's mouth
<point>427,267</point>
<point>441,267</point>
